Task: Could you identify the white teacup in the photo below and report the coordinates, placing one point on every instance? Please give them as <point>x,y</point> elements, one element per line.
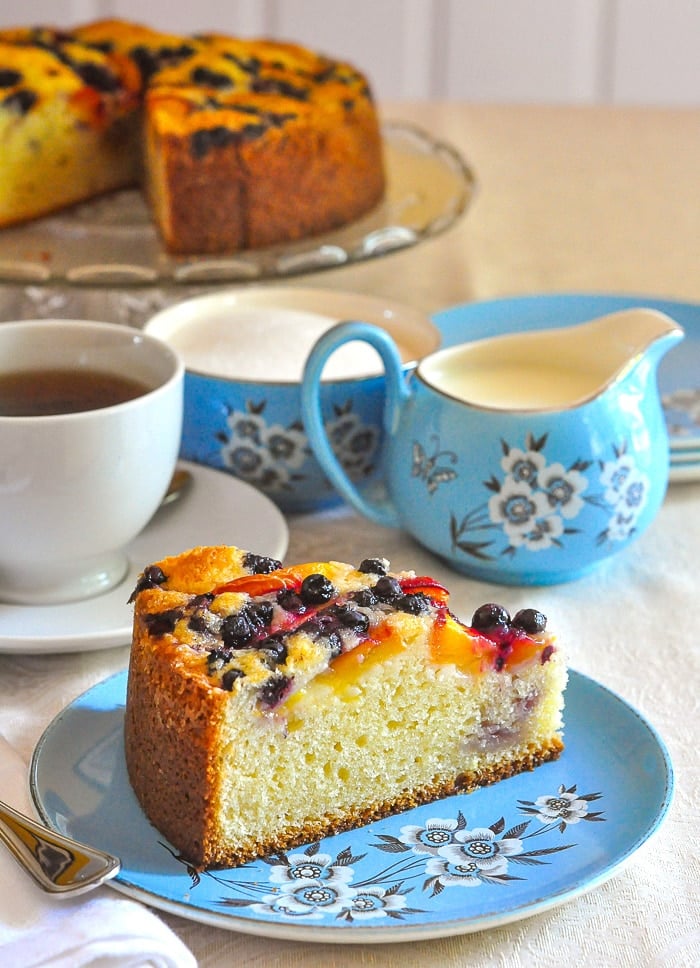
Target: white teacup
<point>76,487</point>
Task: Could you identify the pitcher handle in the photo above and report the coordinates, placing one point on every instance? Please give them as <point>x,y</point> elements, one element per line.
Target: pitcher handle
<point>382,513</point>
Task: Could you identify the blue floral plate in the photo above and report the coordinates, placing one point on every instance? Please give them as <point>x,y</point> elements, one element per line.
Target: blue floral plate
<point>679,371</point>
<point>458,865</point>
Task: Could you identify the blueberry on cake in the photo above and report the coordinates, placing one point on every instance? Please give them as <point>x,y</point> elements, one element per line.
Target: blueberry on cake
<point>237,143</point>
<point>268,707</point>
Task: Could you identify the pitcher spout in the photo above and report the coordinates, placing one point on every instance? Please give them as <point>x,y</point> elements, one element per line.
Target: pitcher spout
<point>552,369</point>
<point>635,335</point>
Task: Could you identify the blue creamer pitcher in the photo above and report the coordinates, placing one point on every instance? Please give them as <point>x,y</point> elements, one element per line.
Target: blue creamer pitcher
<point>520,459</point>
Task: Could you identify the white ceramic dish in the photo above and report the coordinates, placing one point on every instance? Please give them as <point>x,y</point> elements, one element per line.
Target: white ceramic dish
<point>216,509</point>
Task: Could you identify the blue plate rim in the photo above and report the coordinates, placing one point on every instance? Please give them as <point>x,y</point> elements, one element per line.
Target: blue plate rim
<point>379,933</point>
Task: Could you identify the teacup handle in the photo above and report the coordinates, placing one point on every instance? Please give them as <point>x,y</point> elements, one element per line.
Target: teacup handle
<point>396,392</point>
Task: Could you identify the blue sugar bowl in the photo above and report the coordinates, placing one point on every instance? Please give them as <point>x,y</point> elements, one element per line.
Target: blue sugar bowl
<point>244,351</point>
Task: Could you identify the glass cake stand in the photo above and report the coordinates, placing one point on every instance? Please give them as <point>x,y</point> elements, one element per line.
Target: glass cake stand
<point>104,259</point>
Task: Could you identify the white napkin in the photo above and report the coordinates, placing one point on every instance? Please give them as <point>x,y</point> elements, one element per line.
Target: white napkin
<point>99,929</point>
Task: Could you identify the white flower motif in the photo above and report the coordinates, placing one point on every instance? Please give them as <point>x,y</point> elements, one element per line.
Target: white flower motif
<point>563,489</point>
<point>563,807</point>
<point>428,839</point>
<point>523,465</point>
<point>521,511</point>
<point>288,445</point>
<point>517,506</point>
<point>310,867</point>
<point>543,533</point>
<point>255,465</point>
<point>375,902</point>
<point>627,492</point>
<point>307,898</point>
<point>247,426</point>
<point>481,848</point>
<point>635,494</point>
<point>614,477</point>
<point>687,402</point>
<point>464,874</point>
<point>620,526</point>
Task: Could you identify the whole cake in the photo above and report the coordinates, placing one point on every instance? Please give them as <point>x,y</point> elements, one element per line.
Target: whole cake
<point>237,143</point>
<point>268,707</point>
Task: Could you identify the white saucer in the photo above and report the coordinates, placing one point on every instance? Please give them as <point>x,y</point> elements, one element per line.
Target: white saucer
<point>216,509</point>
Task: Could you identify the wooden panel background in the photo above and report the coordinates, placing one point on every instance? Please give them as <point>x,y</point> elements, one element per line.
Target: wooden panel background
<point>559,51</point>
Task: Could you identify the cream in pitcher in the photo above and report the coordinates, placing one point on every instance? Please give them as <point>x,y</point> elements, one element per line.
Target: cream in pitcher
<point>521,459</point>
<point>517,386</point>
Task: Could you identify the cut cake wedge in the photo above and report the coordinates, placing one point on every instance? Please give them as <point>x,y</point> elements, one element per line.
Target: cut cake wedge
<point>268,707</point>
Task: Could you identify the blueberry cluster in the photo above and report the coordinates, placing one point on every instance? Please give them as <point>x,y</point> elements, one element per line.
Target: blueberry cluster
<point>494,620</point>
<point>260,564</point>
<point>98,76</point>
<point>495,623</point>
<point>388,591</point>
<point>149,60</point>
<point>219,136</point>
<point>274,85</point>
<point>209,78</point>
<point>151,577</point>
<point>314,606</point>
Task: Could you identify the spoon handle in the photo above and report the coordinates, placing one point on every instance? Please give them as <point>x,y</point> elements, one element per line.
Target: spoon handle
<point>58,864</point>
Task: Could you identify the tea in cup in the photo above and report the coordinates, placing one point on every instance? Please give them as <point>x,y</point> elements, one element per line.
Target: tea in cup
<point>90,426</point>
<point>244,351</point>
<point>520,459</point>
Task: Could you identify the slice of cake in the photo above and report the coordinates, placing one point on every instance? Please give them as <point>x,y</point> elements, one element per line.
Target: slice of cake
<point>268,707</point>
<point>68,124</point>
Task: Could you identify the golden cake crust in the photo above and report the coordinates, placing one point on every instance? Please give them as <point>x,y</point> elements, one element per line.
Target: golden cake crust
<point>246,143</point>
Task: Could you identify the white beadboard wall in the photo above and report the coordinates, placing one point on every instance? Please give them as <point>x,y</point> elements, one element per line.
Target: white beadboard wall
<point>559,51</point>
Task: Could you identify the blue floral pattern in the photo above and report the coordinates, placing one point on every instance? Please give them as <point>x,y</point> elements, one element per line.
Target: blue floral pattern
<point>443,853</point>
<point>534,504</point>
<point>682,411</point>
<point>272,456</point>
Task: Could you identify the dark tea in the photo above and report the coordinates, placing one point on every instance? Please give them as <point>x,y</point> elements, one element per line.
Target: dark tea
<point>44,392</point>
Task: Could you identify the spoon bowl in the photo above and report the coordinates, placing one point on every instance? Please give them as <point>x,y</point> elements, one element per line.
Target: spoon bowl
<point>58,864</point>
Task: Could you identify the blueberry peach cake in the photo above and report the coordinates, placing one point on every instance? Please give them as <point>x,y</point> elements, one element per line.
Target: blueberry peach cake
<point>268,707</point>
<point>237,143</point>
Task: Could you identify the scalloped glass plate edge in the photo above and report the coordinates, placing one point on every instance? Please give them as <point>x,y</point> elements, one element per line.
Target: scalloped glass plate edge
<point>645,780</point>
<point>429,186</point>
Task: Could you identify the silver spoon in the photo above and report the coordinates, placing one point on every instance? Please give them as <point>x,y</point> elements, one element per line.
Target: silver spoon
<point>179,483</point>
<point>58,864</point>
